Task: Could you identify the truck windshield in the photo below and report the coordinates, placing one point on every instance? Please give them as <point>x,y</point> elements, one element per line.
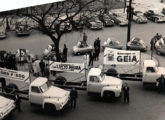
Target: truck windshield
<point>44,87</point>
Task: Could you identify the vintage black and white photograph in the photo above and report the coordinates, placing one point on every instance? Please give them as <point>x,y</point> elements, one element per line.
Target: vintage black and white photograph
<point>83,60</point>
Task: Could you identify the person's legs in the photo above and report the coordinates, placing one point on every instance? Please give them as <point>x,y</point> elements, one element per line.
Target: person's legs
<point>74,103</point>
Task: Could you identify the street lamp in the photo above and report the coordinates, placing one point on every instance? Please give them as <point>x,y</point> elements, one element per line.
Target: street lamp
<point>129,17</point>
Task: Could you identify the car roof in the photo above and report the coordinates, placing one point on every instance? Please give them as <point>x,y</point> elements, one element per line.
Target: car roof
<point>94,71</point>
<point>39,81</point>
<point>149,63</point>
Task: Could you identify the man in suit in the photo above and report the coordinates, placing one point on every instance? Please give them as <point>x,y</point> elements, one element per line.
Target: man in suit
<point>126,93</point>
<point>73,96</point>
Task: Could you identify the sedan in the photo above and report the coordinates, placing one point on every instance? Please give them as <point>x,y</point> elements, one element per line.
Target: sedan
<point>119,19</point>
<point>94,24</point>
<point>112,43</point>
<point>106,20</point>
<point>154,16</point>
<point>137,44</point>
<point>138,17</point>
<point>80,49</point>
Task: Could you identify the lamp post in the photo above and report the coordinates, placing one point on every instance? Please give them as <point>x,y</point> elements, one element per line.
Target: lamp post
<point>129,17</point>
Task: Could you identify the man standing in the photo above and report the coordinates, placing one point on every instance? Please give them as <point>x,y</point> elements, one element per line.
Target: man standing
<point>73,95</point>
<point>97,48</point>
<point>91,58</point>
<point>126,93</point>
<point>84,42</point>
<point>18,102</point>
<point>65,51</point>
<point>160,83</point>
<point>42,67</point>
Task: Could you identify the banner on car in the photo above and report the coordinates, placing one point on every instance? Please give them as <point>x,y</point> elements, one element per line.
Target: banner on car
<point>13,74</point>
<point>67,67</point>
<point>121,57</point>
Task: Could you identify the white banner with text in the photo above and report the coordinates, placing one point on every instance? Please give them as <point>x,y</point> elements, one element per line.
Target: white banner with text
<point>121,57</point>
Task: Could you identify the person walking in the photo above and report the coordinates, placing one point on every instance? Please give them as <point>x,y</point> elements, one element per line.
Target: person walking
<point>126,93</point>
<point>73,95</point>
<point>160,83</point>
<point>18,102</point>
<point>42,67</point>
<point>65,52</point>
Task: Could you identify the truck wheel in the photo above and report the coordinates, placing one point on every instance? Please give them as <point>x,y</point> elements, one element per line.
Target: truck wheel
<point>111,72</point>
<point>60,80</point>
<point>11,87</point>
<point>49,108</point>
<point>109,94</point>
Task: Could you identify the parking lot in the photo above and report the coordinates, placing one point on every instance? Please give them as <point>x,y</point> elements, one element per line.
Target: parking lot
<point>144,103</point>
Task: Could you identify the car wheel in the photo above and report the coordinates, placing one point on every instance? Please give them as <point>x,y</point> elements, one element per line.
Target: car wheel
<point>12,87</point>
<point>156,20</point>
<point>158,52</point>
<point>49,108</point>
<point>112,72</point>
<point>60,80</point>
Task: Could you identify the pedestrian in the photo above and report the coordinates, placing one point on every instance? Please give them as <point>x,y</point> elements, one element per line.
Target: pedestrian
<point>126,93</point>
<point>73,95</point>
<point>18,102</point>
<point>160,83</point>
<point>91,58</point>
<point>65,52</point>
<point>42,67</point>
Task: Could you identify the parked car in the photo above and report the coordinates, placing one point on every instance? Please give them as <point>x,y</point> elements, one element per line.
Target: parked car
<point>66,26</point>
<point>50,53</point>
<point>81,49</point>
<point>21,27</point>
<point>112,43</point>
<point>138,17</point>
<point>7,106</point>
<point>94,23</point>
<point>77,23</point>
<point>137,44</point>
<point>106,20</point>
<point>3,33</point>
<point>119,19</point>
<point>155,16</point>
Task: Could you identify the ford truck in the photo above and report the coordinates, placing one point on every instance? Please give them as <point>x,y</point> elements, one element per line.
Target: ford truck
<point>105,86</point>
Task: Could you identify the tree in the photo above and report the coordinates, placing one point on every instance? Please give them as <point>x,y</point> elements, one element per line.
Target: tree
<point>50,18</point>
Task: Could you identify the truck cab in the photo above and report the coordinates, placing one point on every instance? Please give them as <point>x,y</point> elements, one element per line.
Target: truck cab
<point>99,83</point>
<point>50,97</point>
<point>151,72</point>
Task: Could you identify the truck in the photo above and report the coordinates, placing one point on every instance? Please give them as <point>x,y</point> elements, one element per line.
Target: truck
<point>7,106</point>
<point>102,85</point>
<point>48,96</point>
<point>39,92</point>
<point>151,72</point>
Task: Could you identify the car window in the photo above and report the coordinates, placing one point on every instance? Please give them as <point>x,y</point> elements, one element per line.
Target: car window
<point>94,79</point>
<point>150,69</point>
<point>35,89</point>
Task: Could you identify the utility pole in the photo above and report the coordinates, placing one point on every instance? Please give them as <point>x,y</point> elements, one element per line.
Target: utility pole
<point>129,17</point>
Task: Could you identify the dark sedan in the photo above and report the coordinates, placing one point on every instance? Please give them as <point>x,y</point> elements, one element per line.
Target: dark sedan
<point>154,16</point>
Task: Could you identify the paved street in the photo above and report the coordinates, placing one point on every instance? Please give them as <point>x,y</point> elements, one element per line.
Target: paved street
<point>145,103</point>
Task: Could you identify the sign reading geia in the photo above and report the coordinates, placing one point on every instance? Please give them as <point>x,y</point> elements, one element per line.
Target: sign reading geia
<point>122,57</point>
<point>67,67</point>
<point>13,74</point>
